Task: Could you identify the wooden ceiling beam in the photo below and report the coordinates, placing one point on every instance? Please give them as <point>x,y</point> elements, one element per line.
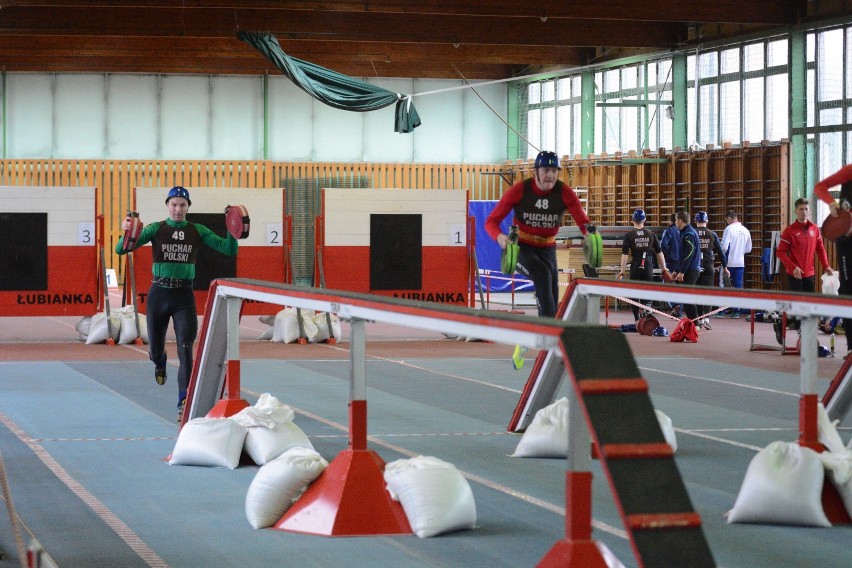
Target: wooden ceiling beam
<point>763,12</point>
<point>351,26</point>
<point>69,46</point>
<point>142,55</point>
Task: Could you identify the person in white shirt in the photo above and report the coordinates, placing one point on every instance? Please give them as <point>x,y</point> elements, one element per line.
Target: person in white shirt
<point>736,243</point>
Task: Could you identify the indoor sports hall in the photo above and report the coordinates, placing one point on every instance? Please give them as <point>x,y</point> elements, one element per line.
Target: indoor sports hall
<point>430,283</point>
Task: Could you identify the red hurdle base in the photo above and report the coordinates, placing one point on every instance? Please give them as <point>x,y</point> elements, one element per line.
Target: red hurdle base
<point>574,554</point>
<point>229,406</point>
<point>577,550</point>
<point>832,502</point>
<point>348,499</point>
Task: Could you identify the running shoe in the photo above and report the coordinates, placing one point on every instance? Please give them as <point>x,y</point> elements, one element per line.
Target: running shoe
<point>518,357</point>
<point>160,375</point>
<point>707,325</point>
<point>181,406</point>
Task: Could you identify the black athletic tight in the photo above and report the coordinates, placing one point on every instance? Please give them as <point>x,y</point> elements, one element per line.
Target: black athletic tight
<point>539,265</point>
<point>179,305</point>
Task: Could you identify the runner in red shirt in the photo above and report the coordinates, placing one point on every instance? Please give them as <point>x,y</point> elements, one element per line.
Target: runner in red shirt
<point>539,204</point>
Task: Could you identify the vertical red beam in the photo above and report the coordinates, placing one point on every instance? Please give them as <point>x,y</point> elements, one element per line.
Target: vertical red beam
<point>808,434</point>
<point>578,500</point>
<point>232,377</point>
<point>358,424</point>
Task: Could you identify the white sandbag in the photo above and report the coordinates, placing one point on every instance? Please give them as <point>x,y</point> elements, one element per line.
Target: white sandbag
<point>267,319</point>
<point>837,461</point>
<point>279,483</point>
<point>99,331</point>
<point>271,431</point>
<point>266,335</point>
<point>267,411</point>
<point>265,444</point>
<point>286,326</point>
<point>827,433</point>
<point>83,326</point>
<point>831,283</point>
<point>210,442</point>
<point>668,429</point>
<point>127,334</point>
<point>435,496</point>
<point>321,321</point>
<point>547,434</point>
<point>310,328</point>
<point>783,485</point>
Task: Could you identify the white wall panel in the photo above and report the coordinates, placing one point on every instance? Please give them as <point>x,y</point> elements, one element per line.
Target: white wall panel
<point>79,116</point>
<point>66,208</point>
<point>290,117</point>
<point>484,132</point>
<point>237,122</point>
<point>338,134</point>
<point>132,110</point>
<point>381,143</point>
<point>185,117</point>
<point>29,112</point>
<point>347,213</point>
<point>439,138</point>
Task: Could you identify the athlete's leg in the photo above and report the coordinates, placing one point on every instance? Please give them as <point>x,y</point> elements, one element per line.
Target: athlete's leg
<point>157,317</point>
<point>536,264</point>
<point>185,320</point>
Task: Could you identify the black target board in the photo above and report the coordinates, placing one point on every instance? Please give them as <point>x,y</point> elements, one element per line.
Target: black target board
<point>23,251</point>
<point>396,251</point>
<point>212,264</point>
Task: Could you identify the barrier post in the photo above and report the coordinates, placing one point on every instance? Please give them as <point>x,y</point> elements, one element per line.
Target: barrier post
<point>232,403</point>
<point>577,549</point>
<point>350,497</point>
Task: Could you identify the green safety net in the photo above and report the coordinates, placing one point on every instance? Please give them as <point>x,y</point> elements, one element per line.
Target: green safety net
<point>333,88</point>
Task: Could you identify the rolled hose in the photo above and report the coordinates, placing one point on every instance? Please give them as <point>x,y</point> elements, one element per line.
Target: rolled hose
<point>509,259</point>
<point>593,250</point>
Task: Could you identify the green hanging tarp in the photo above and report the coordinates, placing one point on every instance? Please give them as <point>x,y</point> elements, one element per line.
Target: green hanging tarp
<point>332,88</point>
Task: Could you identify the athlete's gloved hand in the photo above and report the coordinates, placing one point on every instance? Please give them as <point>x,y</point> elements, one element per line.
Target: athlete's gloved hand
<point>590,228</point>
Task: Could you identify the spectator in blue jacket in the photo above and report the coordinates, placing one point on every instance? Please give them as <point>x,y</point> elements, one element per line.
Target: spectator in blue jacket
<point>670,245</point>
<point>688,268</point>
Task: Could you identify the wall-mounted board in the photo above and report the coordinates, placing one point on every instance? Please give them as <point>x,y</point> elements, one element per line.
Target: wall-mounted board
<point>260,256</point>
<point>48,251</point>
<point>404,243</point>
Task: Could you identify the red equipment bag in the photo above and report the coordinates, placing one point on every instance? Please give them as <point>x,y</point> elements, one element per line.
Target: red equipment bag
<point>237,220</point>
<point>834,228</point>
<point>684,331</point>
<point>132,234</point>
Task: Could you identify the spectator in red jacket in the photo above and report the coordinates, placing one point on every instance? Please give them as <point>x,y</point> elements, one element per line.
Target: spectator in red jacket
<point>800,243</point>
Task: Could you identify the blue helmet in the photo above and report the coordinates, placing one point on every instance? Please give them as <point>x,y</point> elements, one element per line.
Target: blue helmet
<point>701,217</point>
<point>547,159</point>
<point>639,215</point>
<point>178,191</point>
